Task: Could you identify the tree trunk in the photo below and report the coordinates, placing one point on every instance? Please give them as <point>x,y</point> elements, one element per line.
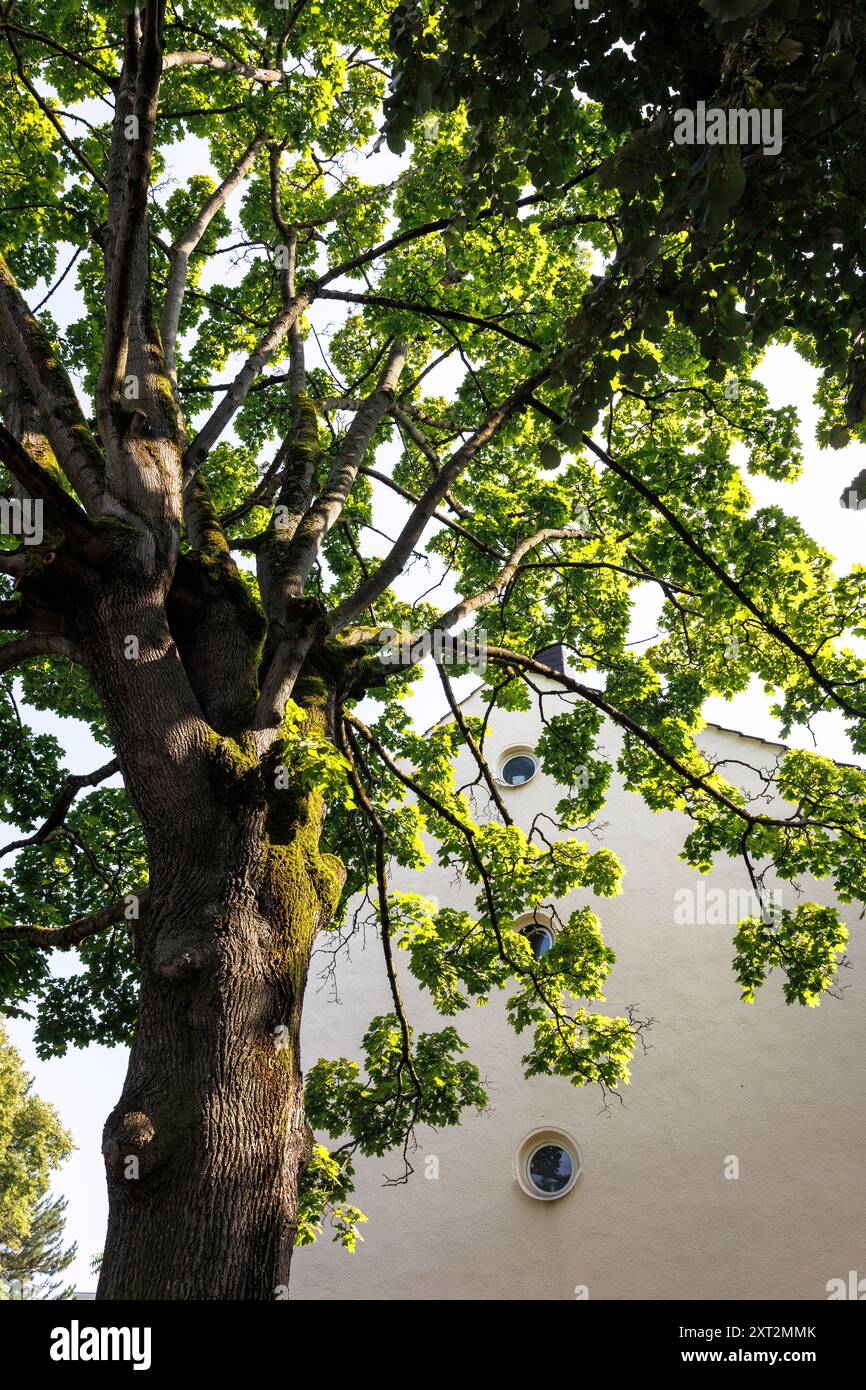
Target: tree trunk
<point>205,1149</point>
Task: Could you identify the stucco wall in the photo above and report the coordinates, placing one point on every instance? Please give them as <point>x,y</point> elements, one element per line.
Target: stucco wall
<point>652,1215</point>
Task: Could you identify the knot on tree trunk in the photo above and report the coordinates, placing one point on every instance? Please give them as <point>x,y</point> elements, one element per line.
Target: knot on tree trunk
<point>184,948</point>
<point>130,1146</point>
<point>182,966</point>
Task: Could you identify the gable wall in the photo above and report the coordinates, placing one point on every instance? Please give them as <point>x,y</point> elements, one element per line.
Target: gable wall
<point>652,1215</point>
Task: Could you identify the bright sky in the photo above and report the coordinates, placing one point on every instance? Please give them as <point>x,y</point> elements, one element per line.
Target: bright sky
<point>85,1085</point>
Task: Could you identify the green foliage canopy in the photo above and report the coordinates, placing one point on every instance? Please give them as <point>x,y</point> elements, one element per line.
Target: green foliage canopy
<point>573,295</point>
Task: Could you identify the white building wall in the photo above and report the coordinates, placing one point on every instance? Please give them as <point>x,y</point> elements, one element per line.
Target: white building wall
<point>652,1215</point>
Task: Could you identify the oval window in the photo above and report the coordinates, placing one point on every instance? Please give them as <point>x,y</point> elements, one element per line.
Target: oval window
<point>550,1169</point>
<point>518,768</point>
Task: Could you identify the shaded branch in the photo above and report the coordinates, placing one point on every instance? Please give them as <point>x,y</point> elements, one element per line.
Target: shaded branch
<point>770,626</point>
<point>50,116</point>
<point>561,1019</point>
<point>519,663</point>
<point>473,745</point>
<point>29,648</point>
<point>52,393</point>
<point>35,36</point>
<point>265,489</point>
<point>61,938</point>
<point>60,508</point>
<point>430,311</point>
<point>434,516</point>
<point>373,817</point>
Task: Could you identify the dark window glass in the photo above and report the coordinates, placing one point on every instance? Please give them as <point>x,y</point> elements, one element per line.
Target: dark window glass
<point>550,1168</point>
<point>540,939</point>
<point>518,769</point>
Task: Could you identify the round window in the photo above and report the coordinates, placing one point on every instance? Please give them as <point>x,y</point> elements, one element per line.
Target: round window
<point>550,1168</point>
<point>547,1164</point>
<point>540,939</point>
<point>518,768</point>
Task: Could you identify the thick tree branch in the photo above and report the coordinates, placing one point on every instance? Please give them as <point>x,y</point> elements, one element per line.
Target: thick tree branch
<point>306,543</point>
<point>13,562</point>
<point>405,416</point>
<point>61,938</point>
<point>414,528</point>
<point>291,640</point>
<point>50,388</point>
<point>293,541</point>
<point>30,648</point>
<point>289,236</point>
<point>60,509</point>
<point>465,607</point>
<point>187,242</point>
<point>124,281</point>
<point>204,528</point>
<point>14,616</point>
<point>237,392</point>
<point>21,416</point>
<point>209,60</point>
<point>491,591</point>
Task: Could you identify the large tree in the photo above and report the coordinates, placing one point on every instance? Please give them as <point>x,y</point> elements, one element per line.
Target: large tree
<point>542,380</point>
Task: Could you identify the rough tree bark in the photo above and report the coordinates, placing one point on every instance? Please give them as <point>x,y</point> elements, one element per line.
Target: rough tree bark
<point>206,1146</point>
